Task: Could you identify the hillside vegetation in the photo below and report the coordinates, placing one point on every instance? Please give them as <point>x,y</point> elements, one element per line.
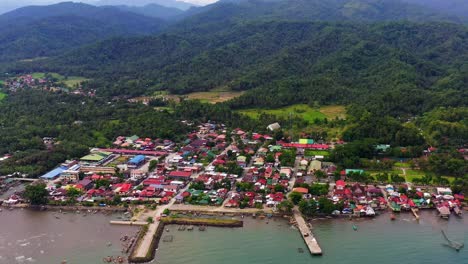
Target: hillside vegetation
<point>41,31</point>
<point>415,67</point>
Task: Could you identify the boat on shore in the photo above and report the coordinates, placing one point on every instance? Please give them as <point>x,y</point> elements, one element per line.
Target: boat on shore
<point>444,211</point>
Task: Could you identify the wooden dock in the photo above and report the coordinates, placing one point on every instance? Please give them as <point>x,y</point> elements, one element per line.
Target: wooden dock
<point>132,223</point>
<point>309,238</point>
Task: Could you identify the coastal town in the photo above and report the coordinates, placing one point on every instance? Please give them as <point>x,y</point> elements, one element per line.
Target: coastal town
<point>223,172</point>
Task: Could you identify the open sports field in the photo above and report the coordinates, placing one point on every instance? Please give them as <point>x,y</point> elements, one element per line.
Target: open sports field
<point>299,110</point>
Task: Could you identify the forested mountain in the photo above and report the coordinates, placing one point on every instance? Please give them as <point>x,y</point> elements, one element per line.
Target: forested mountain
<point>286,62</point>
<point>38,31</point>
<point>456,7</point>
<point>318,10</point>
<point>288,51</point>
<point>153,10</point>
<point>167,3</point>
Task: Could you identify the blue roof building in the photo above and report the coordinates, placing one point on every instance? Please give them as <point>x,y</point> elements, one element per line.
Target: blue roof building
<point>53,174</point>
<point>137,160</point>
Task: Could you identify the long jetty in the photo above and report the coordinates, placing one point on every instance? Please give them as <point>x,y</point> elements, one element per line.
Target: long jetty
<point>307,235</point>
<point>131,223</point>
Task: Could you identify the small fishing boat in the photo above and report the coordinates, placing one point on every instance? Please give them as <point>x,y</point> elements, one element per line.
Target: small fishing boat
<point>457,211</point>
<point>300,250</point>
<point>190,228</point>
<point>201,228</point>
<point>392,217</point>
<point>355,227</point>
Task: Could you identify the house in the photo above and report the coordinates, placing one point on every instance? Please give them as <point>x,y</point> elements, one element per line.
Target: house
<point>273,127</point>
<point>301,190</point>
<point>181,175</point>
<point>444,191</point>
<point>259,162</point>
<point>87,184</point>
<point>171,188</point>
<point>262,151</point>
<point>137,174</point>
<point>340,185</point>
<point>122,188</point>
<point>242,161</point>
<point>286,172</point>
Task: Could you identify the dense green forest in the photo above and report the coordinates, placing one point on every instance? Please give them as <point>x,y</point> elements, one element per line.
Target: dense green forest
<point>408,68</point>
<point>76,122</point>
<point>401,71</point>
<point>41,31</point>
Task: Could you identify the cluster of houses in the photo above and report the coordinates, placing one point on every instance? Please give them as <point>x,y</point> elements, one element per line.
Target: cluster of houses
<point>137,143</point>
<point>25,81</point>
<point>441,198</point>
<point>205,169</point>
<point>45,84</point>
<point>360,200</point>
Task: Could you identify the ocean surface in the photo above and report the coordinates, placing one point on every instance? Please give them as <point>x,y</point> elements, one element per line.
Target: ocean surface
<point>377,240</point>
<point>39,237</point>
<point>28,236</point>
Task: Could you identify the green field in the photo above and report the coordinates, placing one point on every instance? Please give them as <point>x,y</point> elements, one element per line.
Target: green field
<point>401,165</point>
<point>70,82</point>
<point>310,152</point>
<point>2,96</point>
<point>38,75</point>
<point>298,110</point>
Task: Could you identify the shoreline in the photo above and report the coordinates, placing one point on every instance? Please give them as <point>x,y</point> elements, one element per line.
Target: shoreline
<point>66,207</point>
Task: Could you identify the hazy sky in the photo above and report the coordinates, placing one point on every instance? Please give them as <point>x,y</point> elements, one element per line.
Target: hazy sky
<point>20,2</point>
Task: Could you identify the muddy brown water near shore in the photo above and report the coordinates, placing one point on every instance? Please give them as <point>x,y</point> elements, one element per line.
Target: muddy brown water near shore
<point>47,237</point>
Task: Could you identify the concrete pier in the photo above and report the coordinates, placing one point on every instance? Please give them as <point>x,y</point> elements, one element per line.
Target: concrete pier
<point>309,238</point>
<point>135,223</point>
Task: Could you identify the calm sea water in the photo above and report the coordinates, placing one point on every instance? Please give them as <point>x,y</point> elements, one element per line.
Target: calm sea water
<point>38,237</point>
<point>28,236</point>
<point>376,241</point>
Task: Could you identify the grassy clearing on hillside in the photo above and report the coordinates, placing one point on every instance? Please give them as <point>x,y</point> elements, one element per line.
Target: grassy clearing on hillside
<point>298,110</point>
<point>2,96</point>
<point>214,96</point>
<point>70,82</point>
<point>74,80</point>
<point>39,75</point>
<point>2,82</point>
<point>334,111</point>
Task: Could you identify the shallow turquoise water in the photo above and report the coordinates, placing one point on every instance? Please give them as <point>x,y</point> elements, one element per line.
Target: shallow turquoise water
<point>376,241</point>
